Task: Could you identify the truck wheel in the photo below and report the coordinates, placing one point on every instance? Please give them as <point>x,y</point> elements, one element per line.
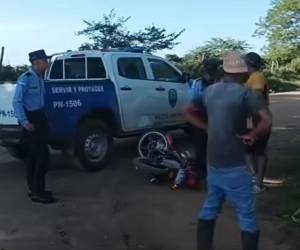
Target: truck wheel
<point>94,145</point>
<point>17,151</point>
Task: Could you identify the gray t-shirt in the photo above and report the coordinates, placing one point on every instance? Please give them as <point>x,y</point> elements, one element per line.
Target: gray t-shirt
<point>227,106</point>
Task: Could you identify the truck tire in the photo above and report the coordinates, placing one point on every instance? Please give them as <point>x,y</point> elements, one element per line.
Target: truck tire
<point>94,145</point>
<point>17,151</point>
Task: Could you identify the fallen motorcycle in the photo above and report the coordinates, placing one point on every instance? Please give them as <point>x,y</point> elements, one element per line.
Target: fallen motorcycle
<point>160,160</point>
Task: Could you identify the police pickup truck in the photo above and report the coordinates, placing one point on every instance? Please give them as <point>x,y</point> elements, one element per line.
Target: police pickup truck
<point>95,96</point>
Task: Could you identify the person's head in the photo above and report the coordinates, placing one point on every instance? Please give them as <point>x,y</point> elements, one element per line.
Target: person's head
<point>235,68</point>
<point>39,61</point>
<point>210,70</point>
<point>254,62</point>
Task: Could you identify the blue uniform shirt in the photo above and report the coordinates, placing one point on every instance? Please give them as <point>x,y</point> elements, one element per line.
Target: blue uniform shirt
<point>197,90</point>
<point>29,95</point>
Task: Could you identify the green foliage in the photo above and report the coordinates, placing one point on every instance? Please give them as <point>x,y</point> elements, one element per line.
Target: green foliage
<point>294,65</point>
<point>281,27</point>
<point>175,60</point>
<point>192,63</point>
<point>278,83</point>
<point>213,49</point>
<point>217,47</point>
<point>110,32</point>
<point>9,73</point>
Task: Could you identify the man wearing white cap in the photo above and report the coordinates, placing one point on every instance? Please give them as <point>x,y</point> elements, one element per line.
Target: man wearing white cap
<point>227,105</point>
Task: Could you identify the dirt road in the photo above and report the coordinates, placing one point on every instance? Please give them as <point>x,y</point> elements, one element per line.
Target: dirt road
<point>116,208</point>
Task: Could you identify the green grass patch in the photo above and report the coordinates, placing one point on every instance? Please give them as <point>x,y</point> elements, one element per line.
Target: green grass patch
<point>281,85</point>
<point>285,161</point>
<point>284,81</point>
<point>291,191</point>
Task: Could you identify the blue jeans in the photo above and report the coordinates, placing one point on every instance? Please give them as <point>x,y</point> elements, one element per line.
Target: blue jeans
<point>181,177</point>
<point>235,185</point>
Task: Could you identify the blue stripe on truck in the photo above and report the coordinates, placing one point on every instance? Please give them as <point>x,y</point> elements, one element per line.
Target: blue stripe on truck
<point>66,102</point>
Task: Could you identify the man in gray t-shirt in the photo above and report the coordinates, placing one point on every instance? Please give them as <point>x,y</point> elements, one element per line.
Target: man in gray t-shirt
<point>226,106</point>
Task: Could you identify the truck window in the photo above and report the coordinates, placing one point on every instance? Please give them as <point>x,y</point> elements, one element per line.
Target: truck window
<point>95,68</point>
<point>132,68</point>
<point>75,68</point>
<point>163,71</point>
<point>57,70</point>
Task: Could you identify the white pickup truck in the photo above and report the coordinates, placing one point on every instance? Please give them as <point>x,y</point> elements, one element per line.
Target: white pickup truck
<point>94,96</point>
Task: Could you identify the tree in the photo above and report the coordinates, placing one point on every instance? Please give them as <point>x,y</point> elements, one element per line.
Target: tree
<point>213,49</point>
<point>10,73</point>
<point>217,47</point>
<point>110,32</point>
<point>176,60</point>
<point>281,27</point>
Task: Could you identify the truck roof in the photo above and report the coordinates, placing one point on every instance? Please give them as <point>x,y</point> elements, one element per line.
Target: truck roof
<point>129,51</point>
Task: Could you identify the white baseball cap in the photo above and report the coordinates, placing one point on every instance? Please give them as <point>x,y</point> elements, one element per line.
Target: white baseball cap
<point>234,63</point>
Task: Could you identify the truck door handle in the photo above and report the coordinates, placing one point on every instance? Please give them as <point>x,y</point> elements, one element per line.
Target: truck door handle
<point>126,88</point>
<point>160,89</point>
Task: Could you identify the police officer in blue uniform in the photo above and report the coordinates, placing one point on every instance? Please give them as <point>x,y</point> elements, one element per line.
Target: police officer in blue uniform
<point>28,105</point>
<point>199,136</point>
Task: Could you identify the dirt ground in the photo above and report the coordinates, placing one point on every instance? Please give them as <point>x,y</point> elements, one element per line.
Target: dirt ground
<point>281,202</point>
<point>118,209</point>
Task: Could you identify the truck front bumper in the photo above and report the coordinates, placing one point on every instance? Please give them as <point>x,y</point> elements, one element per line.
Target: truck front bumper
<point>10,135</point>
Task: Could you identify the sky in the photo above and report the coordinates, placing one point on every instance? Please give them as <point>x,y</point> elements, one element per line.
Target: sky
<point>52,24</point>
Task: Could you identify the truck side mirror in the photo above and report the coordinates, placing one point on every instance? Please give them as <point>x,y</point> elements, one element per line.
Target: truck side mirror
<point>185,77</point>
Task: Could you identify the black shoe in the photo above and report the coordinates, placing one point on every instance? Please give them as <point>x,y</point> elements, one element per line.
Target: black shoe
<point>205,234</point>
<point>46,193</point>
<point>43,199</point>
<point>250,240</point>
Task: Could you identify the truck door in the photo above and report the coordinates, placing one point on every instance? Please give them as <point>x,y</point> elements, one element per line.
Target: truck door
<point>76,86</point>
<point>173,93</point>
<point>137,99</point>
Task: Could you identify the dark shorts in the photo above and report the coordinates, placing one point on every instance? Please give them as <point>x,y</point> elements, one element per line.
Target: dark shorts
<point>199,141</point>
<point>260,146</point>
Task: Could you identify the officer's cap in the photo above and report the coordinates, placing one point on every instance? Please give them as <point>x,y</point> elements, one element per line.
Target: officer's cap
<point>38,54</point>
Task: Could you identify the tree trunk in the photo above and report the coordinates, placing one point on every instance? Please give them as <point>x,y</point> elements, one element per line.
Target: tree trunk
<point>1,57</point>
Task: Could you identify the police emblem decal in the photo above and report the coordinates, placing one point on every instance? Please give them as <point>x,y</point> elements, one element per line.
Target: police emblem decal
<point>172,97</point>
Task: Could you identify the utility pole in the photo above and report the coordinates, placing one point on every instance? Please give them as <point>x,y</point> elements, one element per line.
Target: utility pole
<point>1,57</point>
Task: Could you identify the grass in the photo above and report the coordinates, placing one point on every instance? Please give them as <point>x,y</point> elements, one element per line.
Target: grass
<point>283,82</point>
<point>285,161</point>
<point>277,85</point>
<point>290,194</point>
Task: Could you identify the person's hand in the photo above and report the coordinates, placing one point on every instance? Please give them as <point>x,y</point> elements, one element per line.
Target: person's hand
<point>29,127</point>
<point>248,139</point>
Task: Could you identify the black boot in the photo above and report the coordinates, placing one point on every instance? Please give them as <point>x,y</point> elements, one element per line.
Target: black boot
<point>43,199</point>
<point>250,240</point>
<point>205,234</point>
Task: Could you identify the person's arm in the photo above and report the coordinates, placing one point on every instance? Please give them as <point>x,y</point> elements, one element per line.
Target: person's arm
<point>262,127</point>
<point>195,117</point>
<point>257,108</point>
<point>18,105</point>
<point>194,113</point>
